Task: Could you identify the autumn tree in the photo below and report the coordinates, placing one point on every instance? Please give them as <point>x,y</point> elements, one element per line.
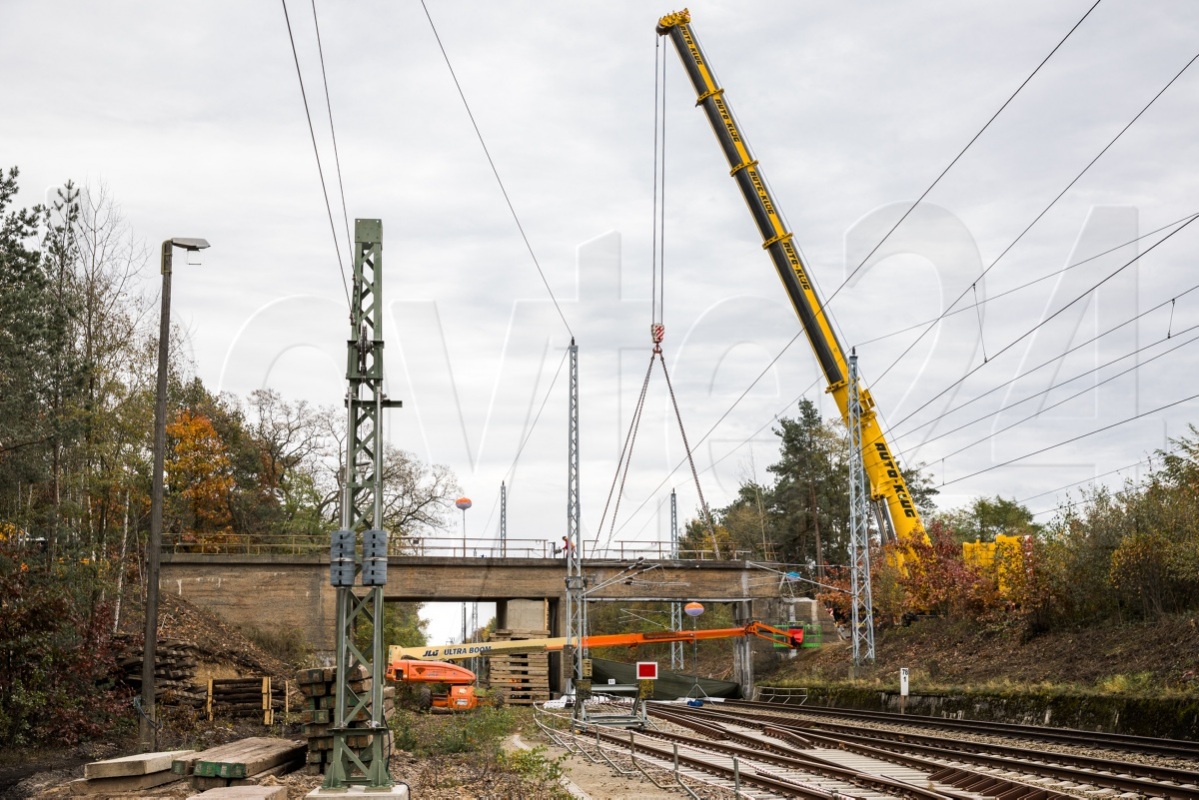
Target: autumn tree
<point>200,477</point>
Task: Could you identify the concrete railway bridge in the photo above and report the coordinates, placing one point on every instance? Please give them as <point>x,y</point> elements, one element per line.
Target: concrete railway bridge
<point>274,590</point>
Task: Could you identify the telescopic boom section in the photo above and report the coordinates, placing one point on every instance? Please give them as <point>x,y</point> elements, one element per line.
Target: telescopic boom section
<point>885,479</point>
<point>454,652</point>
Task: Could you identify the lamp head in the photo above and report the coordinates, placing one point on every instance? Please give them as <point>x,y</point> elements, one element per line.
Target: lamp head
<point>190,244</point>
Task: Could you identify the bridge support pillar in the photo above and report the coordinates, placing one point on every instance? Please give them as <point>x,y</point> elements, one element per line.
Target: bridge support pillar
<point>743,654</point>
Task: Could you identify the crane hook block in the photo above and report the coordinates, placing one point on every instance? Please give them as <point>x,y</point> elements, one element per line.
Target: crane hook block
<point>657,332</point>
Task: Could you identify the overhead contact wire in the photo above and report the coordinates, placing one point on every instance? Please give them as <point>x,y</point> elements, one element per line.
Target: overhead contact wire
<point>1079,393</point>
<point>1118,470</point>
<point>510,475</point>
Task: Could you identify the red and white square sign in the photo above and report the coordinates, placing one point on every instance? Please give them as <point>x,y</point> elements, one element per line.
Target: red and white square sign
<point>647,670</point>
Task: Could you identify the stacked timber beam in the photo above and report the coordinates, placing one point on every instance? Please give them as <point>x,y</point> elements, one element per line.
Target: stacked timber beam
<point>174,669</point>
<point>247,697</point>
<point>127,775</point>
<point>520,679</point>
<point>242,763</point>
<point>319,687</point>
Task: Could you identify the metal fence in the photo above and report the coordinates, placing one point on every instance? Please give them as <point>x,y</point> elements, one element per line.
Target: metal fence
<point>447,547</point>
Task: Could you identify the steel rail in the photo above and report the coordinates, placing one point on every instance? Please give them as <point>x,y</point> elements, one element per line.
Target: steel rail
<point>768,782</point>
<point>1072,736</point>
<point>785,756</point>
<point>1165,782</point>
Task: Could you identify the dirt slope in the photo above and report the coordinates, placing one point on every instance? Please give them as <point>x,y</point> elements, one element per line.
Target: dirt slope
<point>1163,654</point>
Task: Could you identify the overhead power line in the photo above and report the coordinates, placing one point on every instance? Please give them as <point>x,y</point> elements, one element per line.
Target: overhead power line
<point>316,152</point>
<point>1007,292</point>
<point>958,157</point>
<point>1049,318</point>
<point>1079,393</point>
<point>494,170</point>
<point>1051,204</point>
<point>1072,484</point>
<point>333,133</point>
<point>1071,440</point>
<point>1055,359</point>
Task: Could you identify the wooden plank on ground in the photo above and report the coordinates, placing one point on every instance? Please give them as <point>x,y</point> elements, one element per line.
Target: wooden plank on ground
<point>204,784</point>
<point>253,756</point>
<point>244,793</point>
<point>185,764</point>
<point>282,769</point>
<point>123,784</point>
<point>140,764</point>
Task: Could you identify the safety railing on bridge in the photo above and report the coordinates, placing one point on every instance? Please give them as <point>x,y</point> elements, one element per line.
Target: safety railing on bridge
<point>444,547</point>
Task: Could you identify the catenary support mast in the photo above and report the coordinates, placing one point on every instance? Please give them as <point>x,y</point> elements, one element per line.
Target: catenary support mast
<point>362,513</point>
<point>859,531</point>
<point>576,604</point>
<point>676,608</point>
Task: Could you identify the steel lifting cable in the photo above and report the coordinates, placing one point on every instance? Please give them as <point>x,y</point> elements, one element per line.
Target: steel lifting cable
<point>626,454</point>
<point>657,328</point>
<point>658,242</point>
<point>620,478</point>
<point>703,504</point>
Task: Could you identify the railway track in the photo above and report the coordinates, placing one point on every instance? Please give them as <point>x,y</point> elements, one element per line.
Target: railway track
<point>762,753</point>
<point>1063,736</point>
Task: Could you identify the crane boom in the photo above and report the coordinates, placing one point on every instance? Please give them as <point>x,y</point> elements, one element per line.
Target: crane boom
<point>454,652</point>
<point>886,482</point>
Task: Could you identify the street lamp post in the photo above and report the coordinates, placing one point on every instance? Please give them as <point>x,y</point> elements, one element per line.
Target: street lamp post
<point>693,610</point>
<point>148,727</point>
<point>463,503</point>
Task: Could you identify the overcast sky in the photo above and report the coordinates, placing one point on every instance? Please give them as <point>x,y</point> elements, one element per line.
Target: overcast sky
<point>191,115</point>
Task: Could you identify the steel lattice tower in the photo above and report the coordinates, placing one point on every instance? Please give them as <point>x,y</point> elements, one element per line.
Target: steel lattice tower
<point>362,514</point>
<point>576,604</point>
<point>676,608</point>
<point>859,531</point>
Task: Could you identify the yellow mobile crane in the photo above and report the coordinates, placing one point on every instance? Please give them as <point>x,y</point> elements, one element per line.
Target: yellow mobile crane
<point>886,482</point>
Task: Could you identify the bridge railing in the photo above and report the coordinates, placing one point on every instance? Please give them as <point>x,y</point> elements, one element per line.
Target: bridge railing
<point>445,547</point>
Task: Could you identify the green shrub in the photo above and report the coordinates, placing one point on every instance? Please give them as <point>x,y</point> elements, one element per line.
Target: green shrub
<point>534,765</point>
<point>481,730</point>
<point>56,663</point>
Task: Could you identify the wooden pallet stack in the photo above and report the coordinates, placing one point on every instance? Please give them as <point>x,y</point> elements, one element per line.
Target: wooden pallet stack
<point>242,763</point>
<point>174,669</point>
<point>520,679</point>
<point>319,687</point>
<point>247,697</point>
